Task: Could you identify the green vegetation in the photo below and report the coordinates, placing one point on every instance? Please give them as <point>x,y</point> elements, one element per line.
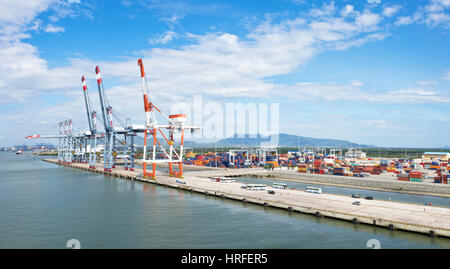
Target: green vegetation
<point>407,153</point>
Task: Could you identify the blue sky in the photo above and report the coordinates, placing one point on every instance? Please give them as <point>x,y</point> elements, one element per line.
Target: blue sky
<point>373,72</point>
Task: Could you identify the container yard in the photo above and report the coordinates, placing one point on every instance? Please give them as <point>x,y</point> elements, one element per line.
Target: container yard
<point>428,170</point>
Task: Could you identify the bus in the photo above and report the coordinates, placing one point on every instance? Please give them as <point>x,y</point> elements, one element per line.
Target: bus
<point>256,187</point>
<point>279,185</point>
<point>222,179</point>
<point>314,190</point>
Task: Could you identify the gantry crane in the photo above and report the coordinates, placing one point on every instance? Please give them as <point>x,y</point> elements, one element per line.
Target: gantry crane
<point>66,141</point>
<point>175,124</point>
<point>115,146</point>
<point>92,121</point>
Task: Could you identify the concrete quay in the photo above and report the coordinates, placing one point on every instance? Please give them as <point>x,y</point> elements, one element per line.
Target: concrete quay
<point>429,220</point>
<point>370,183</point>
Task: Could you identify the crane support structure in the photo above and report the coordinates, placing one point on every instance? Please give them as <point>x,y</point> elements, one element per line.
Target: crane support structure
<point>119,141</point>
<point>92,121</point>
<point>107,122</point>
<point>66,141</point>
<point>175,125</point>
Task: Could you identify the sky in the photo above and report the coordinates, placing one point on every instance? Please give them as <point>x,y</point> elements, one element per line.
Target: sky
<point>372,72</point>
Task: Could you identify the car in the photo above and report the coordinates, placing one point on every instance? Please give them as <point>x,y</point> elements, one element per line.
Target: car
<point>270,192</point>
<point>369,198</point>
<point>356,195</point>
<point>356,203</point>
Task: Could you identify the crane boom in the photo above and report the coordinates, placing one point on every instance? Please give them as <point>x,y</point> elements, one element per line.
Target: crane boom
<point>101,94</point>
<point>88,105</point>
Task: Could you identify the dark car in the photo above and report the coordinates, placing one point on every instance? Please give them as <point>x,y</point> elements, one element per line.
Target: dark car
<point>270,192</point>
<point>369,198</point>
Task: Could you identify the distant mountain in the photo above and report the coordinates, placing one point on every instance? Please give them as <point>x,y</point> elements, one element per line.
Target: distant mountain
<point>287,140</point>
<point>284,140</point>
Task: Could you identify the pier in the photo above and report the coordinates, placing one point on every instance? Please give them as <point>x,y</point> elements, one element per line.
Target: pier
<point>429,220</point>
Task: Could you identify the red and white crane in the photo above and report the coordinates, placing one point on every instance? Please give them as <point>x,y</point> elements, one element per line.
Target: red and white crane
<point>176,124</point>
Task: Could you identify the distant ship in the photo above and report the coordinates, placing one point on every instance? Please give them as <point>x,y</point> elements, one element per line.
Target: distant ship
<point>19,151</point>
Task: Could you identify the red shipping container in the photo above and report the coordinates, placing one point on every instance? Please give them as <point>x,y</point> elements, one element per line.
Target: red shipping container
<point>368,169</point>
<point>415,174</point>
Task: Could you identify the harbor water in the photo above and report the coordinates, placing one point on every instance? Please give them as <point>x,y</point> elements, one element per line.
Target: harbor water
<point>43,205</point>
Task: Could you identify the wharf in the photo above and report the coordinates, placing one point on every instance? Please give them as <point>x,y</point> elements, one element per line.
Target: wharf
<point>430,220</point>
<point>377,183</point>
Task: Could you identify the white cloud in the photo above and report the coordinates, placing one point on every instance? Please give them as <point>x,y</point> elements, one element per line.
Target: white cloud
<point>50,28</point>
<point>427,82</point>
<point>391,10</point>
<point>435,13</point>
<point>356,83</point>
<point>126,3</point>
<point>434,19</point>
<point>164,38</point>
<point>374,1</point>
<point>405,20</point>
<point>379,123</point>
<point>326,10</point>
<point>216,64</point>
<point>333,91</point>
<point>347,10</point>
<point>172,20</point>
<point>368,19</point>
<point>14,12</point>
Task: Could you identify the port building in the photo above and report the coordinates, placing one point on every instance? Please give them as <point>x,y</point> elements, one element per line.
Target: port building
<point>355,153</point>
<point>443,156</point>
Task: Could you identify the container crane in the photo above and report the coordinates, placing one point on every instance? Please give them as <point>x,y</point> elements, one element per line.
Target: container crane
<point>66,141</point>
<point>175,124</point>
<point>107,122</point>
<point>113,144</point>
<point>92,121</point>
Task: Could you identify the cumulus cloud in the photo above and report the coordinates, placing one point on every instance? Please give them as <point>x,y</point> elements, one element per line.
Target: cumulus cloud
<point>379,123</point>
<point>406,20</point>
<point>347,10</point>
<point>164,38</point>
<point>333,91</point>
<point>215,64</point>
<point>435,13</point>
<point>391,10</point>
<point>53,29</point>
<point>427,82</point>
